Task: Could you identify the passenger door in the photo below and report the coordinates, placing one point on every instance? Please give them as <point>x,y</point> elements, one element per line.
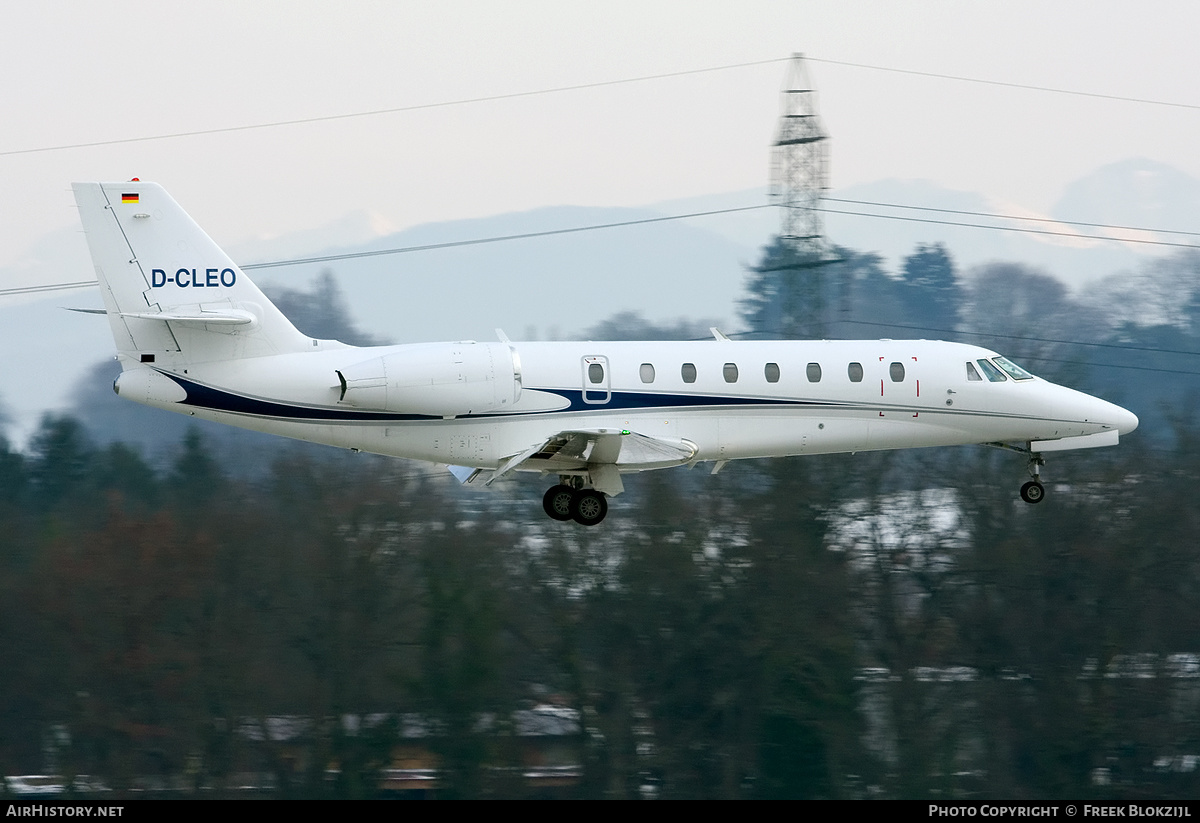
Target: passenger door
<point>595,378</point>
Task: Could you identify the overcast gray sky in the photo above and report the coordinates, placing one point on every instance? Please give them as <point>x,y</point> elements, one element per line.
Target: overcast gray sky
<point>81,72</point>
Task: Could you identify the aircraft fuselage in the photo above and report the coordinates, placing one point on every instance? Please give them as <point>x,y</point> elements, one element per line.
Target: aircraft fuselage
<point>732,400</point>
<point>195,335</point>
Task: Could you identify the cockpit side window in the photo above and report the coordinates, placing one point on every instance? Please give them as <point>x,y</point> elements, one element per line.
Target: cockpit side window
<point>972,372</point>
<point>1014,371</point>
<point>993,373</point>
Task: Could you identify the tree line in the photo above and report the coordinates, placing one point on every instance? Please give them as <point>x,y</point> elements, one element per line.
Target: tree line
<point>818,627</point>
<point>875,625</point>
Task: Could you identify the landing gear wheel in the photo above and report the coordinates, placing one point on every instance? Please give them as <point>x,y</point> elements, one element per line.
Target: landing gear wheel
<point>1033,492</point>
<point>558,502</point>
<point>589,507</point>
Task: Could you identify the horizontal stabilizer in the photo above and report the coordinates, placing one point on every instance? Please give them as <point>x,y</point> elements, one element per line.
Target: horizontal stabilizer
<point>224,317</point>
<point>230,317</point>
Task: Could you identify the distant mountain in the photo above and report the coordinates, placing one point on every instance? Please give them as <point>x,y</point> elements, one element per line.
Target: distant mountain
<point>352,229</point>
<point>1139,193</point>
<point>958,219</point>
<point>540,287</point>
<point>1136,192</point>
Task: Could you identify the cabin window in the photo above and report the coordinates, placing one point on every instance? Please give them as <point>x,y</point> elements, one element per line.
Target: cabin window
<point>813,371</point>
<point>896,372</point>
<point>993,373</point>
<point>972,372</point>
<point>1014,371</point>
<point>646,372</point>
<point>856,372</point>
<point>771,371</point>
<point>689,372</point>
<point>730,372</point>
<point>595,373</point>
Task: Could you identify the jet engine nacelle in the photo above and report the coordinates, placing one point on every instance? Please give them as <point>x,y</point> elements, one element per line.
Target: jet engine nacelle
<point>444,380</point>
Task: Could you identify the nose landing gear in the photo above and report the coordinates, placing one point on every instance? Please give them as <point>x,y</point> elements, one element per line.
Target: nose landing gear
<point>585,506</point>
<point>1034,491</point>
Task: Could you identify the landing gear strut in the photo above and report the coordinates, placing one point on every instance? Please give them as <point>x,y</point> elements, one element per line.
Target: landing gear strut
<point>1034,491</point>
<point>585,506</point>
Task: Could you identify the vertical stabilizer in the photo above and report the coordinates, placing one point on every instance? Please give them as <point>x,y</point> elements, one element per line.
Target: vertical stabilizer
<point>172,295</point>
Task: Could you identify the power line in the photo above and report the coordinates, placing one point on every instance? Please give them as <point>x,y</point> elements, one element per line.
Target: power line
<point>396,110</point>
<point>1035,359</point>
<point>581,87</point>
<point>1023,338</point>
<point>1010,217</point>
<point>1018,229</point>
<point>1119,347</point>
<point>1005,84</point>
<point>923,329</point>
<point>78,284</point>
<point>499,238</point>
<point>666,218</point>
<point>1032,358</point>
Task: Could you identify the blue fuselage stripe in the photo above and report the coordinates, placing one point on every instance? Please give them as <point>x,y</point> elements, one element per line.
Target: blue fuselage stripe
<point>208,397</point>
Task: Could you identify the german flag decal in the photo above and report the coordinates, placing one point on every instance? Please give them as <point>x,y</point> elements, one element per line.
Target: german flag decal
<point>129,198</point>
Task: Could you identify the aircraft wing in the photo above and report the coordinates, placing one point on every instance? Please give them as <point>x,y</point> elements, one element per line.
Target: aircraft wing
<point>603,453</point>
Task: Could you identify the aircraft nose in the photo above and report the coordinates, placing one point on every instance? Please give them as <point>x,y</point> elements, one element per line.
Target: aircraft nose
<point>1092,411</point>
<point>1113,416</point>
<point>1125,420</point>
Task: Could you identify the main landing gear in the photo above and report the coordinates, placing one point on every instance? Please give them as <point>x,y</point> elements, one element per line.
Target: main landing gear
<point>585,506</point>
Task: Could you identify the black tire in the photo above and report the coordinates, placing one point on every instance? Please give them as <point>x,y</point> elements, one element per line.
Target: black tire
<point>1033,492</point>
<point>559,502</point>
<point>589,507</point>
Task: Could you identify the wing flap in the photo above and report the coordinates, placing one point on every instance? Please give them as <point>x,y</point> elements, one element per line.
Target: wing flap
<point>592,449</point>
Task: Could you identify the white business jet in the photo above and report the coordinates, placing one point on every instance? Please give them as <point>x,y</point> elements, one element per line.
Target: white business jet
<point>194,335</point>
